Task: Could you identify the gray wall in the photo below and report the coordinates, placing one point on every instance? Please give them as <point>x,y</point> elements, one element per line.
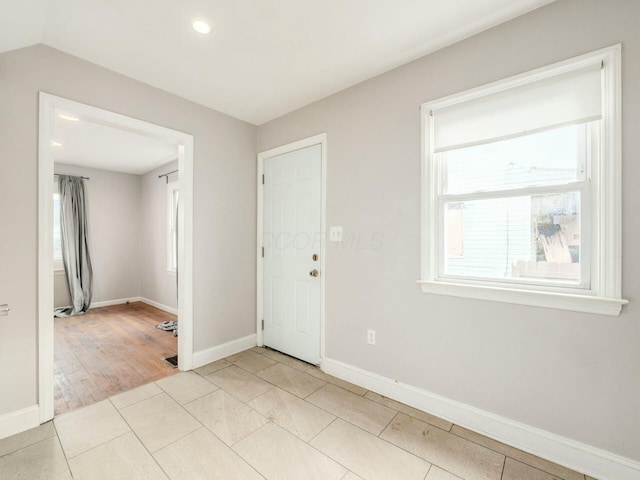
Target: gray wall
<point>113,211</point>
<point>156,283</point>
<point>61,297</point>
<point>569,373</point>
<point>224,202</point>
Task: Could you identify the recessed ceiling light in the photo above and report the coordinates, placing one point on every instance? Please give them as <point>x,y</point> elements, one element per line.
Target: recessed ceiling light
<point>56,144</point>
<point>201,27</point>
<point>68,117</point>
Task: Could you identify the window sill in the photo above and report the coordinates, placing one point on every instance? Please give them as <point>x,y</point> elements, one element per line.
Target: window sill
<point>59,272</point>
<point>560,301</point>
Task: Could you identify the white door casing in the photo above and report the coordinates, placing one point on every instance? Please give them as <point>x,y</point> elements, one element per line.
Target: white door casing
<point>291,227</point>
<point>49,105</point>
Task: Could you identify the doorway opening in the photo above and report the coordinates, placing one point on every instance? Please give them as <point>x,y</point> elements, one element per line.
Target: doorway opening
<point>137,179</point>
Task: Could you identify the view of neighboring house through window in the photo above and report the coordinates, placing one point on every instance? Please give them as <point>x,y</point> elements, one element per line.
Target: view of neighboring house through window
<point>509,231</point>
<point>172,226</point>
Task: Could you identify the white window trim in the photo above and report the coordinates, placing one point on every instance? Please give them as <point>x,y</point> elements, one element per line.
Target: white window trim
<point>171,187</point>
<point>605,295</point>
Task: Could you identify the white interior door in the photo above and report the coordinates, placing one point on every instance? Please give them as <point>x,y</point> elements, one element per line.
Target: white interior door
<point>292,241</point>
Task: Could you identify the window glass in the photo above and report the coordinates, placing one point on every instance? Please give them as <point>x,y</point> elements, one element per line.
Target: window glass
<point>521,238</point>
<point>551,157</point>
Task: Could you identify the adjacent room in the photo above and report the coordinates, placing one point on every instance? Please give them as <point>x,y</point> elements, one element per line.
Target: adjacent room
<point>354,240</point>
<point>115,239</point>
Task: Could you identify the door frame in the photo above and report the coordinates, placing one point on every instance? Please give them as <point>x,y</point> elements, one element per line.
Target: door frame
<point>320,139</point>
<point>49,105</point>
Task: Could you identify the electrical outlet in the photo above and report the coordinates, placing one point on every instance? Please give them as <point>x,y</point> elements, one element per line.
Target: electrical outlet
<point>371,337</point>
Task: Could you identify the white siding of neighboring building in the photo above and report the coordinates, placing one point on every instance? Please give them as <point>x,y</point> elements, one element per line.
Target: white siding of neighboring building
<point>496,234</point>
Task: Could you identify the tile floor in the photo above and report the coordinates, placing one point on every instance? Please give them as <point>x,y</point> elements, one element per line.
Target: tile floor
<point>261,415</point>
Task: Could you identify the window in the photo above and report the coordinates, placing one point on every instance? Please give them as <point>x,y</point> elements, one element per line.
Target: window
<point>521,185</point>
<point>57,233</point>
<point>172,226</point>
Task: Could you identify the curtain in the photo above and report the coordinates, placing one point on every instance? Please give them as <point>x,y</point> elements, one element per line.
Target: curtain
<point>75,245</point>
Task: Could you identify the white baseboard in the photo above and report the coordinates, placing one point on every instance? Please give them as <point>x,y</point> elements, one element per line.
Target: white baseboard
<point>117,301</point>
<point>158,305</point>
<point>19,421</point>
<point>202,357</point>
<point>121,301</point>
<point>575,455</point>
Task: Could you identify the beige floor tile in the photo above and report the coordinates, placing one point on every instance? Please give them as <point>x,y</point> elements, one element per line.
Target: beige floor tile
<point>212,367</point>
<point>159,421</point>
<point>291,380</point>
<point>230,419</point>
<point>250,361</point>
<point>277,454</point>
<point>413,412</point>
<point>186,386</point>
<point>123,458</point>
<point>524,457</point>
<point>515,470</point>
<point>351,476</point>
<point>286,359</point>
<point>89,427</point>
<point>202,456</point>
<point>367,455</point>
<point>436,473</point>
<point>456,455</point>
<point>239,383</point>
<point>41,461</point>
<point>364,413</point>
<point>135,395</point>
<point>291,413</point>
<point>316,372</point>
<point>24,439</point>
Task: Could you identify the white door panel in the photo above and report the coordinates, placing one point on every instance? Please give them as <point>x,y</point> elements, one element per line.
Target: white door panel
<point>291,237</point>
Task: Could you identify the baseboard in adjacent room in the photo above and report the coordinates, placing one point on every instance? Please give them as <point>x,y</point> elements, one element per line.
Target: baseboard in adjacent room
<point>202,357</point>
<point>121,301</point>
<point>117,301</point>
<point>153,303</point>
<point>555,448</point>
<point>19,421</point>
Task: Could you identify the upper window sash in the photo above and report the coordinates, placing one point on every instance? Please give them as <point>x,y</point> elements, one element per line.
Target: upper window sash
<point>554,157</point>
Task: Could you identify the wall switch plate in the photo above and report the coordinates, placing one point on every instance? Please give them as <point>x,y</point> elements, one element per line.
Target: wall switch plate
<point>335,234</point>
<point>371,337</point>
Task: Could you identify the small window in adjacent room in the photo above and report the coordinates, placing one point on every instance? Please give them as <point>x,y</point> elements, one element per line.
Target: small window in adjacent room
<point>522,186</point>
<point>172,226</point>
<point>57,233</point>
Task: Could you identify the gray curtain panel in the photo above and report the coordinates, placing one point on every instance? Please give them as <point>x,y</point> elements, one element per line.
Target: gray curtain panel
<point>75,245</point>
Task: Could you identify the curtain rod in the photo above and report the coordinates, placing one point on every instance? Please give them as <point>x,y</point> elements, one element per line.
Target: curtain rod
<point>167,175</point>
<point>77,176</point>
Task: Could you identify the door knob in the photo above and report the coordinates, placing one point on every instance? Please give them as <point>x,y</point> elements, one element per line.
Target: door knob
<point>4,310</point>
<point>314,273</point>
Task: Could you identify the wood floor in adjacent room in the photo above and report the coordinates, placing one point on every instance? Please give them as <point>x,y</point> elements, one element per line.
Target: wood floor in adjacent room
<point>109,350</point>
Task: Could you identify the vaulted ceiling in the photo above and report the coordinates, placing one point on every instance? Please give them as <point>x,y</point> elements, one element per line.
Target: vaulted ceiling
<point>263,58</point>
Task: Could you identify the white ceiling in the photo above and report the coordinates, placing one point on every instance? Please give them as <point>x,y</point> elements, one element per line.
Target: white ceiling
<point>263,58</point>
<point>100,146</point>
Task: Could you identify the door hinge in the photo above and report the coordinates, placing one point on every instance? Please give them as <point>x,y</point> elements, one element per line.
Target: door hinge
<point>263,179</point>
<point>263,323</point>
<point>262,252</point>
